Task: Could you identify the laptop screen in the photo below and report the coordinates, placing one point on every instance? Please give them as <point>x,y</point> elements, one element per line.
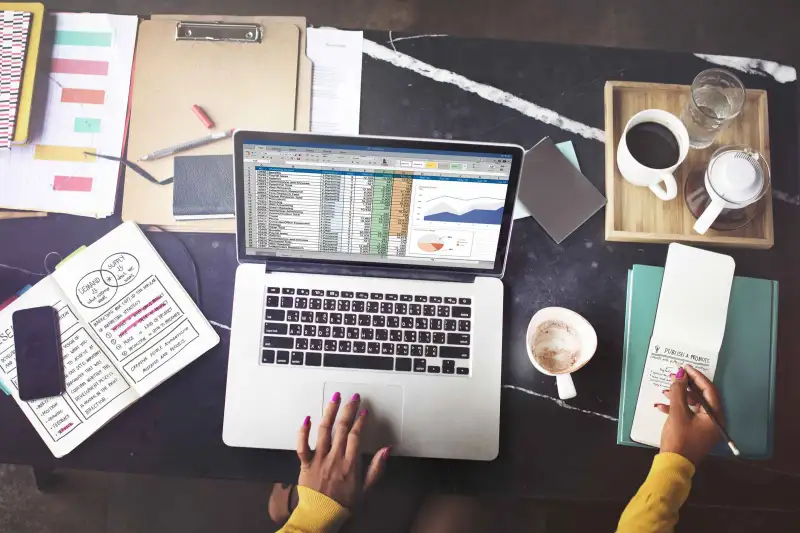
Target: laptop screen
<point>369,204</point>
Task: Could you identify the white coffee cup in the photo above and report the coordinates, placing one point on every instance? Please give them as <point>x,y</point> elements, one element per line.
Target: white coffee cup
<point>559,342</point>
<point>637,173</point>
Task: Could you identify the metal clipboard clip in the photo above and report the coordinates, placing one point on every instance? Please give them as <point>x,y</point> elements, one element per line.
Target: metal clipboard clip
<point>218,31</point>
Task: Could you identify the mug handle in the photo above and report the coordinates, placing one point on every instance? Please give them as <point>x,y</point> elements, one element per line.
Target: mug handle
<point>671,187</point>
<point>566,388</point>
<point>709,216</point>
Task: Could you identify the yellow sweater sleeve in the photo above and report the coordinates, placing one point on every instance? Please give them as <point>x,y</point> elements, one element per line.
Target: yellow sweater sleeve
<point>654,509</point>
<point>315,513</point>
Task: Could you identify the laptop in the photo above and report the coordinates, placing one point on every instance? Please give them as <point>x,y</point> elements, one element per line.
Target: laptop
<point>370,265</point>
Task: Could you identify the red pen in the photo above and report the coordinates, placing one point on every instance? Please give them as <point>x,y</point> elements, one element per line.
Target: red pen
<point>204,118</point>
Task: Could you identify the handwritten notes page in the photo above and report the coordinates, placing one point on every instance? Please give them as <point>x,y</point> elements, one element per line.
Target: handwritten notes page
<point>126,326</point>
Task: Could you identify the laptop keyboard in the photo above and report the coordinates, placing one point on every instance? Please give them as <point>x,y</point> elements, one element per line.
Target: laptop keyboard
<point>369,331</point>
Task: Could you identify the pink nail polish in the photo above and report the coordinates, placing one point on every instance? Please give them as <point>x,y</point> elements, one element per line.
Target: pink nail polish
<point>307,421</point>
<point>386,452</point>
<point>681,373</point>
<point>356,397</point>
<point>364,412</point>
<point>336,397</point>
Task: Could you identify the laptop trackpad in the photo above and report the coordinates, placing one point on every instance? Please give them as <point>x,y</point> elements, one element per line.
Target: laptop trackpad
<point>385,403</point>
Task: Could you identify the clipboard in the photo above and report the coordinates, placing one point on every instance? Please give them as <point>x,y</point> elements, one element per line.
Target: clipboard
<point>245,72</point>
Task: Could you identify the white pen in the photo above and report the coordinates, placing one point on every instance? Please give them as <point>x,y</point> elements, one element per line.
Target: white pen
<point>188,145</point>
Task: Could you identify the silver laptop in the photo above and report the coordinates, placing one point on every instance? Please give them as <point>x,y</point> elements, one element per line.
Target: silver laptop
<point>370,265</point>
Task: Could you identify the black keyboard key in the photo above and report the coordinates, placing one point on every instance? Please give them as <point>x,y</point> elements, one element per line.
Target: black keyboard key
<point>464,325</point>
<point>462,371</point>
<point>275,314</point>
<point>306,316</point>
<point>462,312</point>
<point>359,347</point>
<point>435,299</point>
<point>275,328</point>
<point>450,300</point>
<point>362,295</point>
<point>391,297</point>
<point>401,349</point>
<point>416,350</point>
<point>387,348</point>
<point>273,290</point>
<point>387,308</point>
<point>350,319</point>
<point>358,307</point>
<point>379,321</point>
<point>405,298</point>
<point>420,365</point>
<point>293,316</point>
<point>438,337</point>
<point>434,369</point>
<point>352,333</point>
<point>268,356</point>
<point>295,329</point>
<point>315,303</point>
<point>410,336</point>
<point>372,307</point>
<point>443,310</point>
<point>429,310</point>
<point>465,301</point>
<point>303,292</point>
<point>402,365</point>
<point>332,294</point>
<point>431,351</point>
<point>376,296</point>
<point>461,339</point>
<point>301,344</point>
<point>345,346</point>
<point>347,294</point>
<point>282,357</point>
<point>450,325</point>
<point>310,330</point>
<point>321,317</point>
<point>367,334</point>
<point>400,308</point>
<point>364,320</point>
<point>337,332</point>
<point>297,358</point>
<point>335,318</point>
<point>436,323</point>
<point>421,323</point>
<point>407,322</point>
<point>367,362</point>
<point>317,292</point>
<point>448,366</point>
<point>324,332</point>
<point>287,301</point>
<point>330,346</point>
<point>414,309</point>
<point>393,322</point>
<point>382,334</point>
<point>313,359</point>
<point>425,336</point>
<point>454,352</point>
<point>373,347</point>
<point>287,291</point>
<point>420,298</point>
<point>278,342</point>
<point>315,344</point>
<point>301,303</point>
<point>396,335</point>
<point>344,305</point>
<point>273,301</point>
<point>329,304</point>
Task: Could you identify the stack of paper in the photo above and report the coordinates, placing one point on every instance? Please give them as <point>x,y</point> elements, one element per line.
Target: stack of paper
<point>14,29</point>
<point>84,108</point>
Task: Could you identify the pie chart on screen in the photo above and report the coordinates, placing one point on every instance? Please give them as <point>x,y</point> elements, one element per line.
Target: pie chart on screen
<point>430,242</point>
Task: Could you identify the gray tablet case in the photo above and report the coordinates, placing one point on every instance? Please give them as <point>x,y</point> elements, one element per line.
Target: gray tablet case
<point>557,195</point>
<point>203,187</point>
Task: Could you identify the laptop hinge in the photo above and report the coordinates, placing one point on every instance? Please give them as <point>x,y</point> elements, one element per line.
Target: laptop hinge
<point>397,273</point>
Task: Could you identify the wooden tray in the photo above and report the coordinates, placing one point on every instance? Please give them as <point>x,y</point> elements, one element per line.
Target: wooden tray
<point>634,214</point>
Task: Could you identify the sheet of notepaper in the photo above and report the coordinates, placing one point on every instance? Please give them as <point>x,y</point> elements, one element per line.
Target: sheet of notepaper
<point>82,103</point>
<point>14,29</point>
<point>336,82</point>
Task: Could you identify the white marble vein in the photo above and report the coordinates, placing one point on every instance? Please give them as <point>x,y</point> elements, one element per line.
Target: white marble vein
<point>219,325</point>
<point>426,36</point>
<point>560,403</point>
<point>492,94</point>
<point>759,67</point>
<point>785,197</point>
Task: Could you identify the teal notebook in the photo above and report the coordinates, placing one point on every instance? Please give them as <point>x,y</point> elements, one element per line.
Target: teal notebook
<point>745,372</point>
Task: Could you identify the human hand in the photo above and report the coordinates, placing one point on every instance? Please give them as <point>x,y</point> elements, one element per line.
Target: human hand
<point>335,469</point>
<point>685,432</point>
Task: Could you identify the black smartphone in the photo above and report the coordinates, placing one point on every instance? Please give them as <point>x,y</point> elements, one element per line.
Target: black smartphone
<point>40,369</point>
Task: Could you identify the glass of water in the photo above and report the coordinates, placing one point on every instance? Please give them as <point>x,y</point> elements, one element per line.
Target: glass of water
<point>717,98</point>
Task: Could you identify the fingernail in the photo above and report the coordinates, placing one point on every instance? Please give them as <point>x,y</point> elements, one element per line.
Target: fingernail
<point>386,452</point>
<point>672,376</point>
<point>680,373</point>
<point>336,397</point>
<point>665,391</point>
<point>364,412</point>
<point>307,421</point>
<point>356,397</point>
<point>655,405</point>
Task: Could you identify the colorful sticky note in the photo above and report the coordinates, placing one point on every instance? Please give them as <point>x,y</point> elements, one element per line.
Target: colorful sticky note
<point>89,67</point>
<point>64,153</point>
<point>87,125</point>
<point>82,96</point>
<point>72,183</point>
<point>83,38</point>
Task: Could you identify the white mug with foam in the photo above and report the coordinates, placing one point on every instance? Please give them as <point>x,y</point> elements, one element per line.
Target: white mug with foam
<point>559,342</point>
<point>635,172</point>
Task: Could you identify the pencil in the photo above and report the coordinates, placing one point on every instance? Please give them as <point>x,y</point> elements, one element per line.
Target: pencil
<point>713,416</point>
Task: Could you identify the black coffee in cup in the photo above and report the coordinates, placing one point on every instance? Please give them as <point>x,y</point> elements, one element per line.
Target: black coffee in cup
<point>653,145</point>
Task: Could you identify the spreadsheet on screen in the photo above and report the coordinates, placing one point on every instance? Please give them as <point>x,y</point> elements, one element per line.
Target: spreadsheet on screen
<point>366,204</point>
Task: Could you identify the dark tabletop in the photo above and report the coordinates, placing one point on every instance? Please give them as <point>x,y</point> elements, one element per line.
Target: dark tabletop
<point>548,450</point>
